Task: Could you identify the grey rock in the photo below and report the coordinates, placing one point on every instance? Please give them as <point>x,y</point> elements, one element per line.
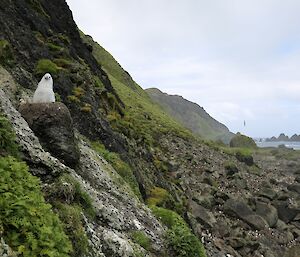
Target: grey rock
<point>293,251</point>
<point>201,214</point>
<point>268,212</point>
<point>236,242</point>
<point>286,212</point>
<point>294,187</point>
<point>53,125</point>
<point>237,208</point>
<point>268,193</point>
<point>256,222</point>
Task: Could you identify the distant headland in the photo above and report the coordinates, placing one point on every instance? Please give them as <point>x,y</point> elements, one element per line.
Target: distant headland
<point>283,137</point>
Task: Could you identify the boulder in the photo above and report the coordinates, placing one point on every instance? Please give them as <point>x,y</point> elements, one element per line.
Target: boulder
<point>53,125</point>
<point>240,209</point>
<point>267,212</point>
<point>237,208</point>
<point>267,193</point>
<point>285,212</point>
<point>294,187</point>
<point>201,214</point>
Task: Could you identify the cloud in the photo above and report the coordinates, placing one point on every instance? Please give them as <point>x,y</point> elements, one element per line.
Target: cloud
<point>237,59</point>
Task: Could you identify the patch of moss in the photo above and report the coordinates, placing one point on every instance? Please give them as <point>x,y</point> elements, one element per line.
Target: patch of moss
<point>139,237</point>
<point>46,66</point>
<point>73,99</point>
<point>63,63</point>
<point>65,39</point>
<point>158,197</point>
<point>86,108</point>
<point>78,92</point>
<point>53,47</point>
<point>6,53</point>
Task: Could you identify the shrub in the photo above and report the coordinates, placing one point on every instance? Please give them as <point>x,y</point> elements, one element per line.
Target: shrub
<point>45,65</point>
<point>139,237</point>
<point>30,226</point>
<point>180,238</point>
<point>8,145</point>
<point>78,92</point>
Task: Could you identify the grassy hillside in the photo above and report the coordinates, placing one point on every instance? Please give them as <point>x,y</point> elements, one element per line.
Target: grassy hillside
<point>191,116</point>
<point>143,119</point>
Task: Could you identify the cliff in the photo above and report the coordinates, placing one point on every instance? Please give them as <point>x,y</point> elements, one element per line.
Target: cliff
<point>137,183</point>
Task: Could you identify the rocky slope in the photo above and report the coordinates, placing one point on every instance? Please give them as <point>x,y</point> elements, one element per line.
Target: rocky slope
<point>130,154</point>
<point>191,116</point>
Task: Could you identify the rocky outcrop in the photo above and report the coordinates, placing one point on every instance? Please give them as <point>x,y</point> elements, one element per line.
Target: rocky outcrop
<point>53,125</point>
<point>119,212</point>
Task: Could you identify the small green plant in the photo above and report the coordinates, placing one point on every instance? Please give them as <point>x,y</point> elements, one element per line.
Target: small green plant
<point>180,238</point>
<point>57,97</point>
<point>30,226</point>
<point>8,145</point>
<point>139,237</point>
<point>98,83</point>
<point>45,65</point>
<point>36,5</point>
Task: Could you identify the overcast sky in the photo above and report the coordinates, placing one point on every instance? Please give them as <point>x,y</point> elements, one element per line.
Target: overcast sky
<point>239,59</point>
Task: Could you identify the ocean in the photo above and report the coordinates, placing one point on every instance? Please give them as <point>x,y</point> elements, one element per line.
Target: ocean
<point>294,145</point>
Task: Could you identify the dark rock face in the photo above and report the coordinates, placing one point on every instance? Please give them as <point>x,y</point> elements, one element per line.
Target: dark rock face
<point>53,125</point>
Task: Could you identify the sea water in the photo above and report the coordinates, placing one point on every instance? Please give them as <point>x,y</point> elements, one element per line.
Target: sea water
<point>289,144</point>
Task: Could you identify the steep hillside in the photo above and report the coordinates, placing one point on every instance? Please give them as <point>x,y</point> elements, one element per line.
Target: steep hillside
<point>137,183</point>
<point>191,116</point>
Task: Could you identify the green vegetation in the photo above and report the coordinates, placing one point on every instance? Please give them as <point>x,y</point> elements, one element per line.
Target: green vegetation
<point>6,53</point>
<point>30,226</point>
<point>71,217</point>
<point>139,237</point>
<point>230,167</point>
<point>36,5</point>
<point>180,238</point>
<point>8,145</point>
<point>142,119</point>
<point>120,166</point>
<point>86,108</point>
<point>70,202</point>
<point>45,65</point>
<point>242,141</point>
<point>53,47</point>
<point>158,197</point>
<point>63,63</point>
<point>245,155</point>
